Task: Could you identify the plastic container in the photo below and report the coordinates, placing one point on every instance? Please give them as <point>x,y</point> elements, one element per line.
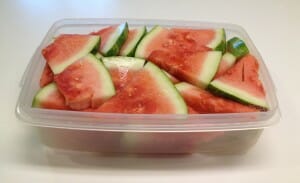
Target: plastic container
<point>103,132</point>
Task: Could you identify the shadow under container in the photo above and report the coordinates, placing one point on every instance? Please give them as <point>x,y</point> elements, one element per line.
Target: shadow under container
<point>229,133</point>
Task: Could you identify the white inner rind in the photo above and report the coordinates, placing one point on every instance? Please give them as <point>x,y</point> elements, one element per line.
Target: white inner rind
<point>243,95</point>
<point>183,86</point>
<point>113,38</point>
<point>229,58</point>
<point>141,48</point>
<point>107,86</point>
<point>85,50</point>
<point>123,62</point>
<point>219,37</point>
<point>133,42</point>
<point>210,67</point>
<point>168,89</point>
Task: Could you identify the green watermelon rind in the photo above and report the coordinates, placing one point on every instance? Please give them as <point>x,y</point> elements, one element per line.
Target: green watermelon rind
<point>93,43</point>
<point>115,41</point>
<point>98,55</point>
<point>210,68</point>
<point>166,85</point>
<point>222,89</point>
<point>219,42</point>
<point>140,50</point>
<point>123,62</point>
<point>108,89</point>
<point>237,47</point>
<point>129,51</point>
<point>43,93</point>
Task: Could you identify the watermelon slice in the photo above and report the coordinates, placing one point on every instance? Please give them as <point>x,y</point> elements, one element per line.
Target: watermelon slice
<point>49,97</point>
<point>227,61</point>
<point>204,102</point>
<point>85,83</point>
<point>181,41</point>
<point>237,47</point>
<point>241,82</point>
<point>198,68</point>
<point>112,39</point>
<point>67,48</point>
<point>150,92</point>
<point>133,38</point>
<point>122,69</point>
<point>47,76</point>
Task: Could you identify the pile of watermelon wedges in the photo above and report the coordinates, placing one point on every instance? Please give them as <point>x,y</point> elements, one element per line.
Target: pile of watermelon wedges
<point>162,71</point>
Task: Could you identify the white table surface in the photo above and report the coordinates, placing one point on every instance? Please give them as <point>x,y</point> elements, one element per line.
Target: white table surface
<point>273,26</point>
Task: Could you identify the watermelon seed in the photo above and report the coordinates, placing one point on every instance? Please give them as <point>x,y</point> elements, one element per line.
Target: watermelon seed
<point>243,72</point>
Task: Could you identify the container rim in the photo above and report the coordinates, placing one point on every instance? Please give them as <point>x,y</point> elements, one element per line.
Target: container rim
<point>144,122</point>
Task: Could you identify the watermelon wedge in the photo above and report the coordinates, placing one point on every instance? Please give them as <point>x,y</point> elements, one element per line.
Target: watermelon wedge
<point>198,68</point>
<point>150,92</point>
<point>67,48</point>
<point>133,38</point>
<point>241,83</point>
<point>122,69</point>
<point>184,41</point>
<point>47,76</point>
<point>227,61</point>
<point>86,83</point>
<point>112,39</point>
<point>204,102</point>
<point>49,97</point>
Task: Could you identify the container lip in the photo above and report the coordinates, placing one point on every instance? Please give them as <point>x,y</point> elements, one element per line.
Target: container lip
<point>145,122</point>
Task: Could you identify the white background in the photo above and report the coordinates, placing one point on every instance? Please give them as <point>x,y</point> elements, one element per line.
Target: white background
<point>274,27</point>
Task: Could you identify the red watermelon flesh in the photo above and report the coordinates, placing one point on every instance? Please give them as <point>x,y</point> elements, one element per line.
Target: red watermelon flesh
<point>121,77</point>
<point>176,41</point>
<point>145,94</point>
<point>47,76</point>
<point>82,84</point>
<point>192,111</point>
<point>204,102</point>
<point>67,48</point>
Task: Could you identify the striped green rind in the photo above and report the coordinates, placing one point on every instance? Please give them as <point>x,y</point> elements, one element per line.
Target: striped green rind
<point>131,47</point>
<point>237,47</point>
<point>115,41</point>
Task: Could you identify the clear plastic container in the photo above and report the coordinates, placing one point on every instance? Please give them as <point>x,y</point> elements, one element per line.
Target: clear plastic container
<point>136,133</point>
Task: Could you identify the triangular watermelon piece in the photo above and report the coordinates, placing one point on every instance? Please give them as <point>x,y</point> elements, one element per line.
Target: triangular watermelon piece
<point>112,39</point>
<point>181,40</point>
<point>49,97</point>
<point>68,48</point>
<point>198,68</point>
<point>204,102</point>
<point>150,92</point>
<point>241,83</point>
<point>86,83</point>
